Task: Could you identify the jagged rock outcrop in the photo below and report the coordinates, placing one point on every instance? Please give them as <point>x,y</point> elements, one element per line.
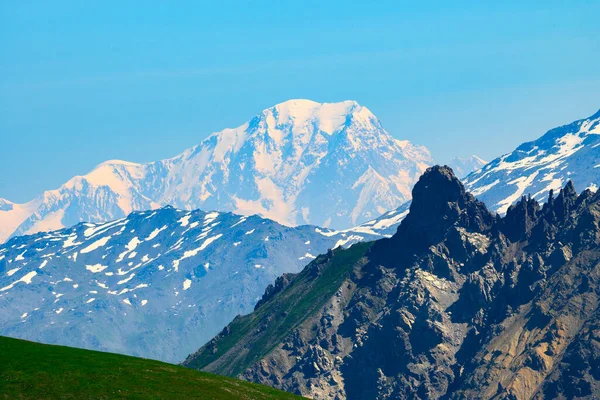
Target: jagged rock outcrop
<point>460,303</point>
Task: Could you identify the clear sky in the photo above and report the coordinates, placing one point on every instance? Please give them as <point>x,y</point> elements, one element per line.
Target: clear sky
<point>86,81</point>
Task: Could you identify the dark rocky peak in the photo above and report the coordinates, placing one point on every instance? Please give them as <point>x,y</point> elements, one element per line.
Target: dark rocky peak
<point>520,219</point>
<point>526,220</point>
<point>564,202</point>
<point>281,283</point>
<point>440,201</point>
<point>459,304</point>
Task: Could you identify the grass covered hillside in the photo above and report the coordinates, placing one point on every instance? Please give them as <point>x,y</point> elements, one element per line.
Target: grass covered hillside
<point>38,371</point>
<point>249,338</point>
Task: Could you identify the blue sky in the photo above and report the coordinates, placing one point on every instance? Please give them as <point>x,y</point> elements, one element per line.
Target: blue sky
<point>86,81</point>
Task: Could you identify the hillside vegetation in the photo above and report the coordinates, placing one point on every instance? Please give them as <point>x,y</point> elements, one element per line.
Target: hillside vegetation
<point>37,371</point>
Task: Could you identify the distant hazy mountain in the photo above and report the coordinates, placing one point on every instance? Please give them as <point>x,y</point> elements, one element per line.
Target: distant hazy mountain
<point>464,166</point>
<point>156,284</point>
<point>299,162</point>
<point>570,152</point>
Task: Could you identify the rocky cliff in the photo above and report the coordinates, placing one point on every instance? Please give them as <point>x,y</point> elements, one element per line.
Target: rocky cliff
<point>459,303</point>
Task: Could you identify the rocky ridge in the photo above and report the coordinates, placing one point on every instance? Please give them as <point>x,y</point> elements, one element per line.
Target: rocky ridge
<point>459,303</point>
<point>156,284</point>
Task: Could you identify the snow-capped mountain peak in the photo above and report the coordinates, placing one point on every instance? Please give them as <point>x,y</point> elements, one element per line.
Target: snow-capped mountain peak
<point>5,205</point>
<point>325,117</point>
<point>464,166</point>
<point>286,163</point>
<point>569,152</point>
<point>154,284</point>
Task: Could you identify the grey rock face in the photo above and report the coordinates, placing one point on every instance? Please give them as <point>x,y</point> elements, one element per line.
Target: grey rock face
<point>460,303</point>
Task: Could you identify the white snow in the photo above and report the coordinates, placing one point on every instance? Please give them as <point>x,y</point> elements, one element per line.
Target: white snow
<point>126,279</point>
<point>555,159</point>
<point>71,241</point>
<point>94,229</point>
<point>25,279</point>
<point>192,253</point>
<point>155,233</point>
<point>482,189</point>
<point>97,244</point>
<point>239,222</point>
<point>287,144</point>
<point>131,246</point>
<point>96,268</point>
<point>384,223</point>
<point>522,184</point>
<point>185,220</point>
<point>133,243</point>
<point>187,284</point>
<point>210,217</point>
<point>349,239</point>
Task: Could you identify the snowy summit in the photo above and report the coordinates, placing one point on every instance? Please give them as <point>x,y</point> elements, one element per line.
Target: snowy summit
<point>299,162</point>
<point>569,152</point>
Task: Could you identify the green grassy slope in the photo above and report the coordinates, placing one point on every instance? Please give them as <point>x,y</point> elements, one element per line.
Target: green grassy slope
<point>251,337</point>
<point>37,371</point>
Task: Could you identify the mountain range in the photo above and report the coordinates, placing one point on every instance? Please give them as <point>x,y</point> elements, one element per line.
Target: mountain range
<point>79,286</point>
<point>135,275</point>
<point>459,303</point>
<point>156,284</point>
<point>275,165</point>
<point>569,152</point>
